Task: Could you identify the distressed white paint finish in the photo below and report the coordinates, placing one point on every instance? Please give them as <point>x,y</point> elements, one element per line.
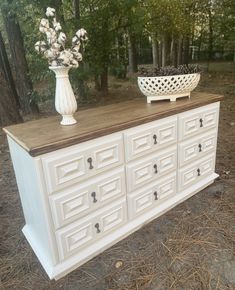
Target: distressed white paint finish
<point>150,137</point>
<point>74,202</point>
<point>142,200</point>
<point>197,147</point>
<point>193,173</point>
<point>168,87</point>
<point>148,169</point>
<point>69,166</point>
<point>66,228</point>
<point>72,238</point>
<point>198,121</point>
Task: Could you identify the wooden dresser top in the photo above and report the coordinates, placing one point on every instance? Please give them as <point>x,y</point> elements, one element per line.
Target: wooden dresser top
<point>46,135</point>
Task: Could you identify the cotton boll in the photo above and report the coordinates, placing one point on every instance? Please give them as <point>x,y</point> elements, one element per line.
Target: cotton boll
<point>51,36</point>
<point>51,54</point>
<point>40,46</point>
<point>50,12</point>
<point>74,63</point>
<point>62,38</point>
<point>75,41</point>
<point>76,48</point>
<point>43,29</point>
<point>44,23</point>
<point>56,46</point>
<point>65,57</point>
<point>82,34</point>
<point>56,25</point>
<point>78,56</point>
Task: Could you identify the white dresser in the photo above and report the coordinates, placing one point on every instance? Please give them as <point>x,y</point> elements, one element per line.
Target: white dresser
<point>80,197</point>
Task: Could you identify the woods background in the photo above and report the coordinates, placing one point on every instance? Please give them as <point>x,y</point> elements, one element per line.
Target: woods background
<point>122,35</point>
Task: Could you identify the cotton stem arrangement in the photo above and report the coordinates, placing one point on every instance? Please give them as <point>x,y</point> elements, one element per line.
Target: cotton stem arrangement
<point>53,47</point>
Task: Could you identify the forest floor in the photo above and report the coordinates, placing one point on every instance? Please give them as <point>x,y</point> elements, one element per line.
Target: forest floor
<point>191,247</point>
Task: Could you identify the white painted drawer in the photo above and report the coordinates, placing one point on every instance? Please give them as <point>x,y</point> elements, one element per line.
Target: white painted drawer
<point>78,200</point>
<point>192,149</point>
<point>150,168</point>
<point>78,235</point>
<point>197,121</point>
<point>142,201</point>
<point>191,174</point>
<point>69,166</point>
<point>150,137</point>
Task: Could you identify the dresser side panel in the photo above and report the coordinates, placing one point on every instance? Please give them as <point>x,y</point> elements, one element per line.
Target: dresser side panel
<point>37,219</point>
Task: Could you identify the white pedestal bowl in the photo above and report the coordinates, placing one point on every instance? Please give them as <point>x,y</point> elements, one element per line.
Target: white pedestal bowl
<point>168,87</point>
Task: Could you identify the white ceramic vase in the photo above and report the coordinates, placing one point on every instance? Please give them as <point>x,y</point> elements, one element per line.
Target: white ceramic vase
<point>65,102</point>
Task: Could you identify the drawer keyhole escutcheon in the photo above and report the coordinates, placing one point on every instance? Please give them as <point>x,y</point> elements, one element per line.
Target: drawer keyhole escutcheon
<point>97,226</point>
<point>93,194</point>
<point>201,122</point>
<point>155,138</point>
<point>155,195</point>
<point>200,147</point>
<point>198,172</point>
<point>89,160</point>
<point>155,168</point>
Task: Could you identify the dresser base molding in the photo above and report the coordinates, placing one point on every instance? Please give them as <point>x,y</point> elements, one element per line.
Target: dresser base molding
<point>58,271</point>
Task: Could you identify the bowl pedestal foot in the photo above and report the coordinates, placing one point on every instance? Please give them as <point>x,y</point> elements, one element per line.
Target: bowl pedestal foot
<point>172,98</point>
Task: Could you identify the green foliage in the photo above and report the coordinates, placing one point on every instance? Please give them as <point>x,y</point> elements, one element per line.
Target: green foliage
<point>110,22</point>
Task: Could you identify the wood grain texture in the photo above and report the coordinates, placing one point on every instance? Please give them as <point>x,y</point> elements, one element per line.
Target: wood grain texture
<point>46,135</point>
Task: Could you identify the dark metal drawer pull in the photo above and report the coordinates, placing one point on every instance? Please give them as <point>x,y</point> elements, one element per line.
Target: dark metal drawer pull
<point>93,194</point>
<point>89,160</point>
<point>201,122</point>
<point>97,226</point>
<point>200,147</point>
<point>155,195</point>
<point>155,167</point>
<point>198,172</point>
<point>155,138</point>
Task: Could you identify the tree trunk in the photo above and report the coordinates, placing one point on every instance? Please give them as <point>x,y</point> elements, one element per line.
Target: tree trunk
<point>132,54</point>
<point>179,51</point>
<point>97,82</point>
<point>23,83</point>
<point>9,113</point>
<point>82,87</point>
<point>210,46</point>
<point>186,50</point>
<point>6,70</point>
<point>104,80</point>
<point>155,52</point>
<point>9,107</point>
<point>174,52</point>
<point>166,50</point>
<point>160,54</point>
<point>76,4</point>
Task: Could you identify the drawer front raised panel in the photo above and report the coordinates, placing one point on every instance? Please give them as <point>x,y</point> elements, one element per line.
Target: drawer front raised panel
<point>191,150</point>
<point>75,202</point>
<point>142,201</point>
<point>197,121</point>
<point>151,168</point>
<point>79,235</point>
<point>69,166</point>
<point>189,175</point>
<point>150,137</point>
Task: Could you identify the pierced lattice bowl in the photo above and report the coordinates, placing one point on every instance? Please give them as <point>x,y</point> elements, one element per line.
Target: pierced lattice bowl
<point>168,87</point>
